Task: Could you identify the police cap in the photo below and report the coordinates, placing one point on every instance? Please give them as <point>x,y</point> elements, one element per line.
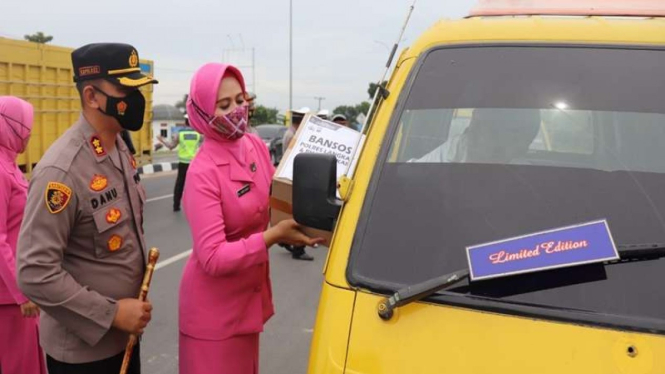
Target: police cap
<point>115,62</point>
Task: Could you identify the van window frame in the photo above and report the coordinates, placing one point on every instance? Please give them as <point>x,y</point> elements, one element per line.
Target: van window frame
<point>472,302</point>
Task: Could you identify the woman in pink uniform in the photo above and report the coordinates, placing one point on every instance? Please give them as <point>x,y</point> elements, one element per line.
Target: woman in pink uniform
<point>225,292</point>
<point>19,343</point>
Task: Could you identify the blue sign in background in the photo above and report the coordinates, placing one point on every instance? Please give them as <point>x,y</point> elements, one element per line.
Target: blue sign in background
<point>145,68</point>
<point>529,253</point>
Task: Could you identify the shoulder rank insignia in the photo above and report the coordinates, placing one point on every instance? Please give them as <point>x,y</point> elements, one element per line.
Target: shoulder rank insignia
<point>99,183</point>
<point>57,197</point>
<point>113,215</point>
<point>97,147</point>
<point>114,243</point>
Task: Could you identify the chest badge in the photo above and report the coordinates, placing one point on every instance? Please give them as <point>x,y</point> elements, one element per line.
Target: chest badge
<point>244,190</point>
<point>114,243</point>
<point>99,183</point>
<point>57,197</point>
<point>113,215</point>
<point>132,160</point>
<point>96,144</point>
<point>252,167</point>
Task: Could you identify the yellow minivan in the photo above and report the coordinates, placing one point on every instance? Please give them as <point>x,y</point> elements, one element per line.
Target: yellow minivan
<point>515,120</point>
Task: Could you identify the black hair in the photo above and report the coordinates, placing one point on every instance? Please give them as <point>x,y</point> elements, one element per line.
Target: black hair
<point>81,85</point>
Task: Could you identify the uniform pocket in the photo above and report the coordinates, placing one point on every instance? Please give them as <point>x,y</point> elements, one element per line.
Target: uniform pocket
<point>113,229</point>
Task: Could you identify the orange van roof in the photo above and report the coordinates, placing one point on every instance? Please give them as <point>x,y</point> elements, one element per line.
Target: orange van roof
<point>638,8</point>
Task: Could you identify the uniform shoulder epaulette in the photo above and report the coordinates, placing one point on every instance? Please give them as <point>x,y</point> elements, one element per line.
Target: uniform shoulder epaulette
<point>61,154</point>
<point>67,155</point>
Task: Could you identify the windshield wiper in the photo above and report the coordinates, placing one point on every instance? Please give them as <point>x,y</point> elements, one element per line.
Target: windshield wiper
<point>410,294</point>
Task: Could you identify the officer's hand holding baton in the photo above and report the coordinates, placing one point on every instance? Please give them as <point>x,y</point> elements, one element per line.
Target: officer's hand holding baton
<point>133,316</point>
<point>143,316</point>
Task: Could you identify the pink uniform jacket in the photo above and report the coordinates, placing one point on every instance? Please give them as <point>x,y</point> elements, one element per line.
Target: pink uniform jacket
<point>15,125</point>
<point>13,193</point>
<point>225,290</point>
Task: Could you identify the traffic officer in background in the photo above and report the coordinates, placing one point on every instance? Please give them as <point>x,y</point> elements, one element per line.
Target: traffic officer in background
<point>188,142</point>
<point>81,252</point>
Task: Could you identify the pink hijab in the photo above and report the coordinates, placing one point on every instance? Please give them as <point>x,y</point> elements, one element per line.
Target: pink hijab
<point>203,96</point>
<point>16,117</point>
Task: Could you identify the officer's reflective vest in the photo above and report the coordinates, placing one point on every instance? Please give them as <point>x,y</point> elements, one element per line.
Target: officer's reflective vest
<point>188,145</point>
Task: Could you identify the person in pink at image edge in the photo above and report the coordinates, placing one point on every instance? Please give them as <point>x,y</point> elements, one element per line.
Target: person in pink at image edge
<point>19,342</point>
<point>225,292</point>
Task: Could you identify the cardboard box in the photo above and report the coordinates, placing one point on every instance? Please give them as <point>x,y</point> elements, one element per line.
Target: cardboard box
<point>282,209</point>
<point>314,135</point>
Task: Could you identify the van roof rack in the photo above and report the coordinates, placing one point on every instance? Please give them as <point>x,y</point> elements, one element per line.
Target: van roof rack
<point>628,8</point>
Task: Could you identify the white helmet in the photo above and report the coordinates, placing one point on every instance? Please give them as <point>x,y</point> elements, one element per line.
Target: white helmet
<point>303,110</point>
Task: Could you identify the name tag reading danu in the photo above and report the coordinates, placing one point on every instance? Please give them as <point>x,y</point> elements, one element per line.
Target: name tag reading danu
<point>564,247</point>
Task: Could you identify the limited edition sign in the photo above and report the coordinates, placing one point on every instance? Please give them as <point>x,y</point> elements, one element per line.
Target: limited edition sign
<point>569,246</point>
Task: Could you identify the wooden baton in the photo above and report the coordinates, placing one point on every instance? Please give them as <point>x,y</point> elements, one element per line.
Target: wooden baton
<point>153,255</point>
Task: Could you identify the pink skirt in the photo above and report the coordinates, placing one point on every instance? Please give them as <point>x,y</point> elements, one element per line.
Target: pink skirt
<point>20,352</point>
<point>236,355</point>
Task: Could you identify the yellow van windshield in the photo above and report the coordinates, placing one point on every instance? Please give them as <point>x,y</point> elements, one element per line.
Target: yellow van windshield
<point>502,141</point>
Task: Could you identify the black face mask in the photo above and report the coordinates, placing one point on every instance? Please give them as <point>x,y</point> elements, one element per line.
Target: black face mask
<point>128,110</point>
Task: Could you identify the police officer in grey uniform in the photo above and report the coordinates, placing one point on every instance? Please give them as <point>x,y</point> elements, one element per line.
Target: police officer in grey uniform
<point>81,252</point>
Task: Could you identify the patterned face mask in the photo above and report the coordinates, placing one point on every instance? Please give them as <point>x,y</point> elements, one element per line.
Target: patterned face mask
<point>233,125</point>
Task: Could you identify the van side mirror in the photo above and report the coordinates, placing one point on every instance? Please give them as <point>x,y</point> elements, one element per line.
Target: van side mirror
<point>315,202</point>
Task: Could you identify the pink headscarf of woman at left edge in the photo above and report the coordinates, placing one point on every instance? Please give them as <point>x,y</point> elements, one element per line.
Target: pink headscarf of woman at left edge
<point>16,118</point>
<point>203,96</point>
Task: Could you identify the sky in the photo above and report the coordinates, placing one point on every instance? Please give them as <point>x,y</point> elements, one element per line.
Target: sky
<point>339,46</point>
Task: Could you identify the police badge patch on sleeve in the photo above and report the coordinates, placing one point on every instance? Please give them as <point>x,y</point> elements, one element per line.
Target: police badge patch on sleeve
<point>57,197</point>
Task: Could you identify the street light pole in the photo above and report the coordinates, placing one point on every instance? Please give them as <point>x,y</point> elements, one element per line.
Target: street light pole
<point>253,71</point>
<point>320,99</point>
<point>290,54</point>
